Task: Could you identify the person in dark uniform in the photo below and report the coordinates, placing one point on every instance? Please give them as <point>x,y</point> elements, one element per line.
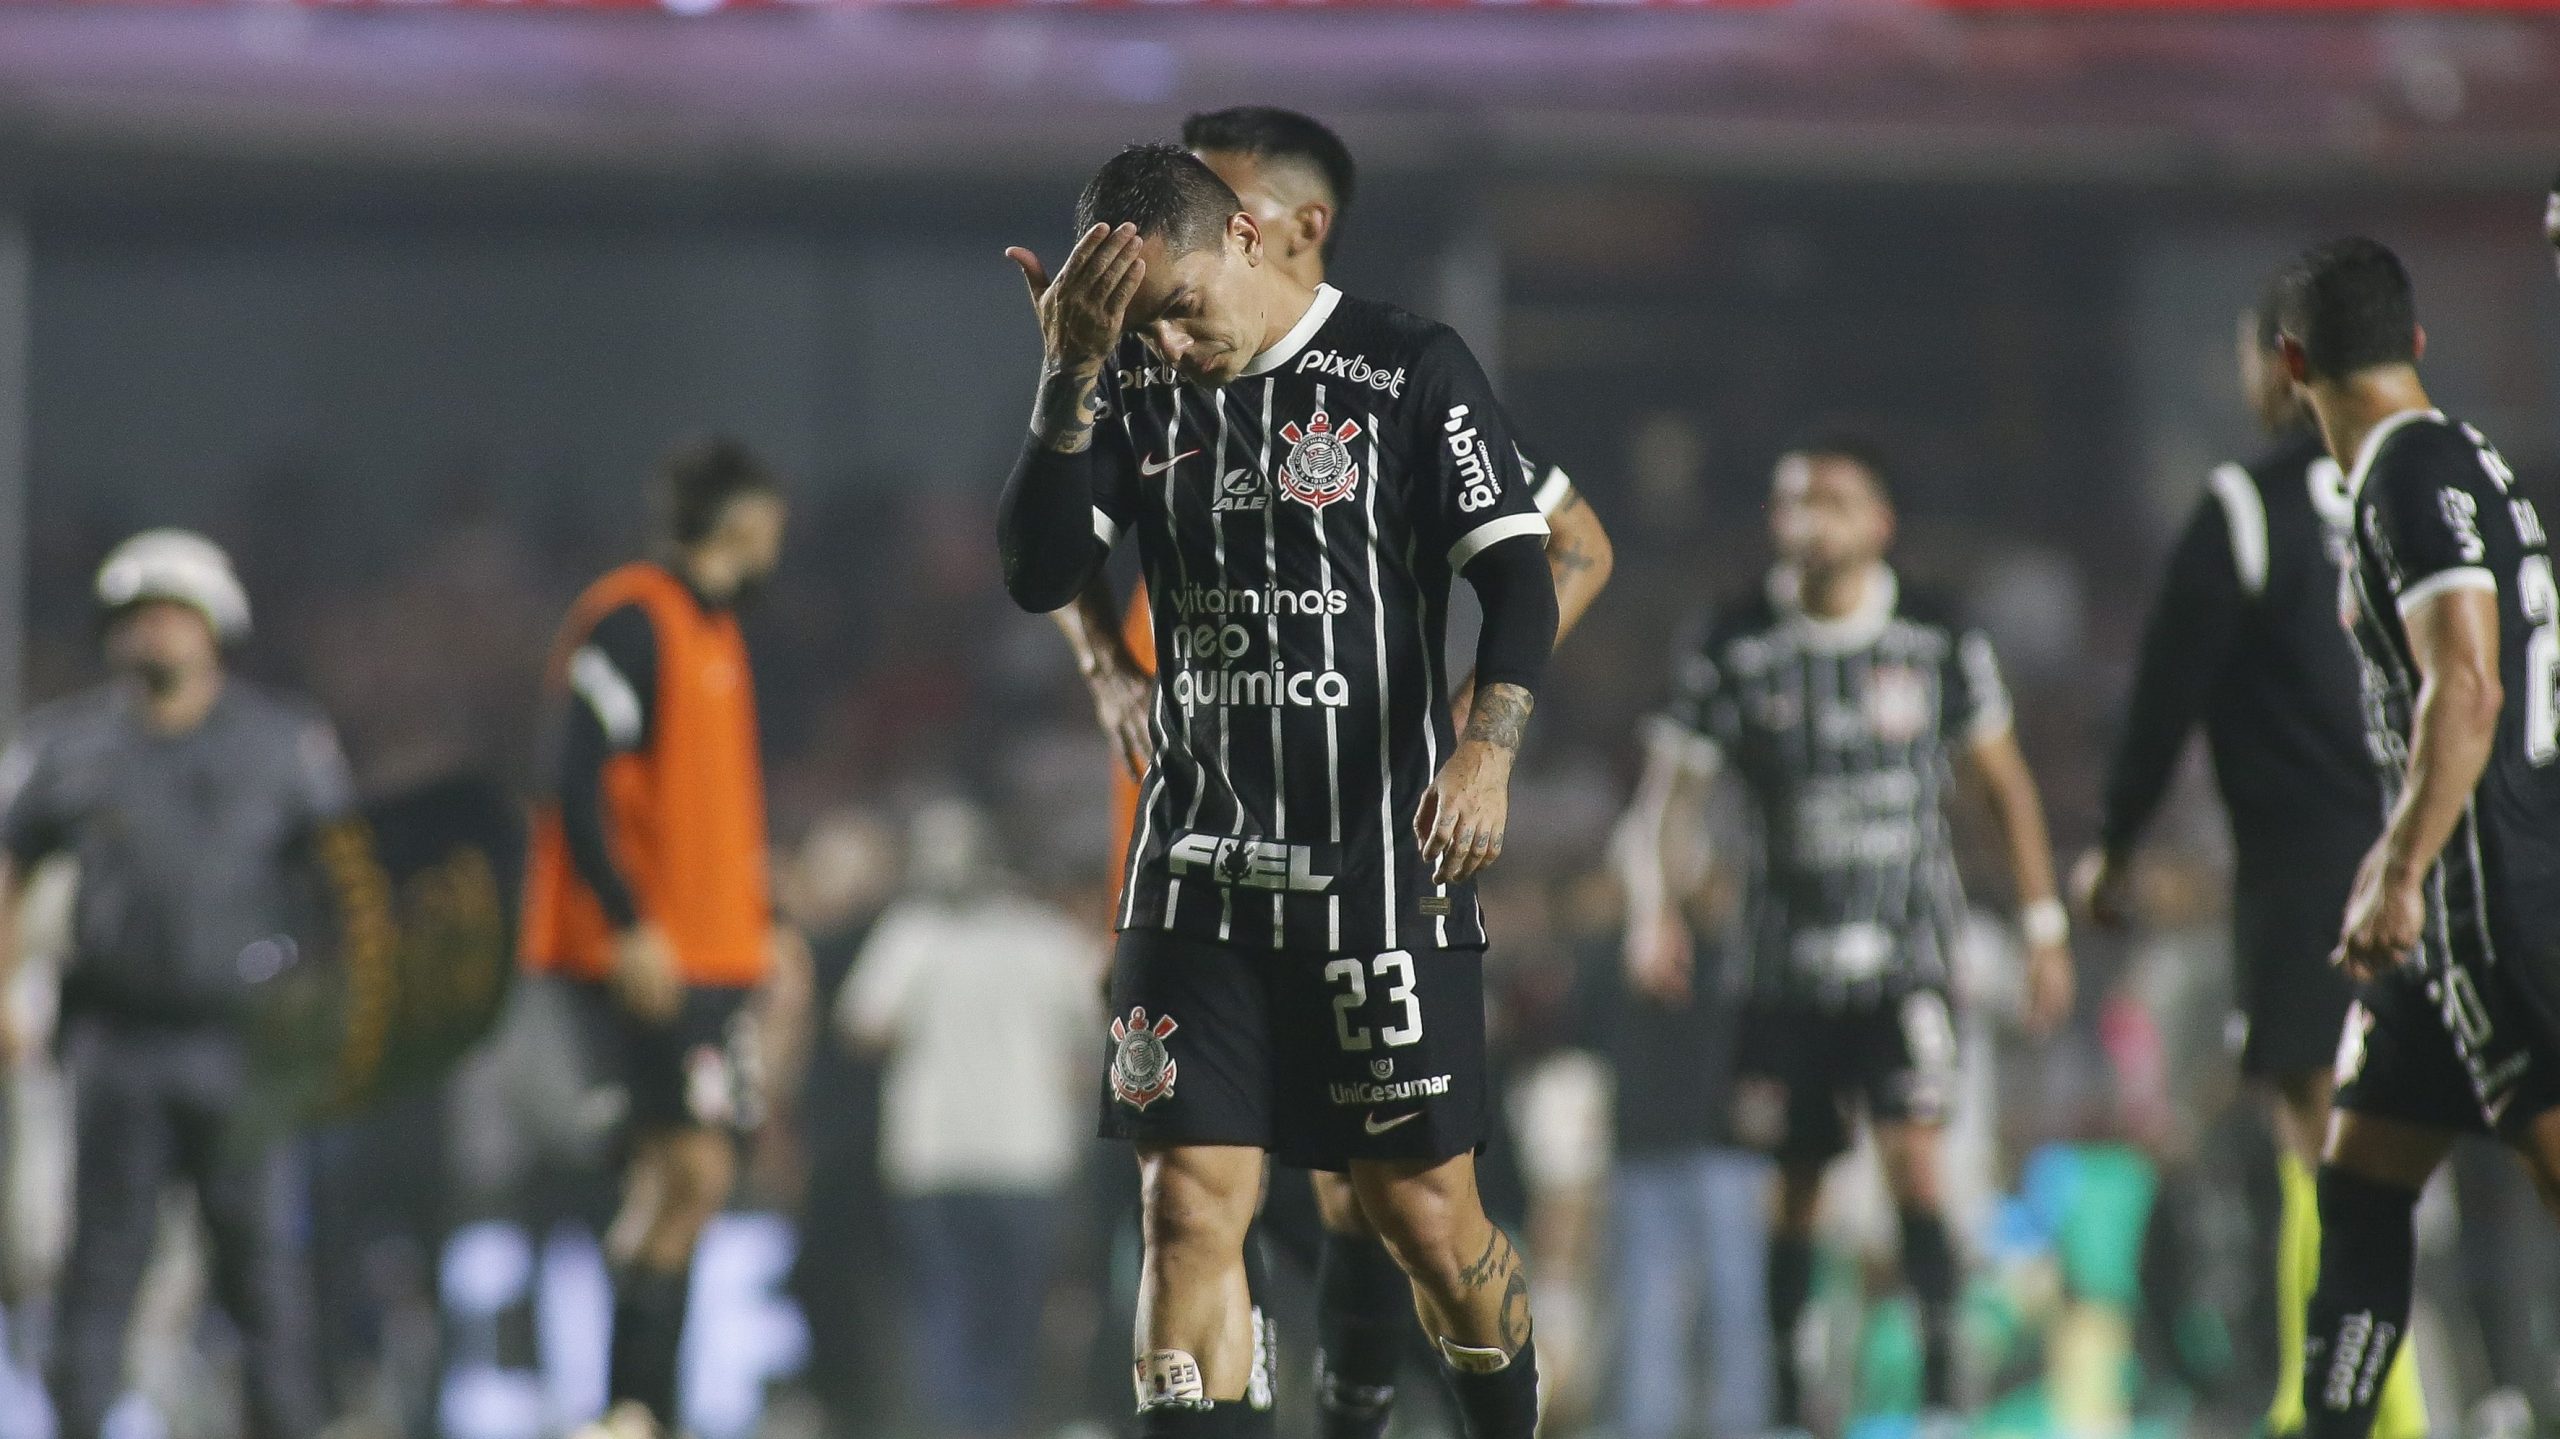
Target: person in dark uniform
<point>192,801</point>
<point>2246,638</point>
<point>1300,969</point>
<point>648,886</point>
<point>2453,919</point>
<point>1847,709</point>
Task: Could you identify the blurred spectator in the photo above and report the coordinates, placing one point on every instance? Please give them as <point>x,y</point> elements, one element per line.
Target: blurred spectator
<point>983,1003</point>
<point>1690,1214</point>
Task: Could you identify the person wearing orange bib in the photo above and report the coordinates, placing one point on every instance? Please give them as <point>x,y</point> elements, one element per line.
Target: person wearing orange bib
<point>647,888</point>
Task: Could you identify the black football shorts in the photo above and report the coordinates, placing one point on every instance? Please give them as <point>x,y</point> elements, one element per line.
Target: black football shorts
<point>699,1069</point>
<point>2451,1049</point>
<point>1807,1070</point>
<point>1320,1059</point>
<point>2291,1002</point>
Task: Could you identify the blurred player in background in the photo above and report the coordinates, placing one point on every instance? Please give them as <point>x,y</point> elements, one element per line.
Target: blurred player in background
<point>2454,915</point>
<point>1844,707</point>
<point>1300,969</point>
<point>193,802</point>
<point>2246,638</point>
<point>648,885</point>
<point>1297,179</point>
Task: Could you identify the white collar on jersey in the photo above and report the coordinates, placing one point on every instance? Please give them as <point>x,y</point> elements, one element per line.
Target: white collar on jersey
<point>1855,630</point>
<point>2372,445</point>
<point>1318,311</point>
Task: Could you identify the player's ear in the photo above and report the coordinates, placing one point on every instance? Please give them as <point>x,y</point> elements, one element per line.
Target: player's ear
<point>1315,224</point>
<point>1245,237</point>
<point>2297,365</point>
<point>2418,343</point>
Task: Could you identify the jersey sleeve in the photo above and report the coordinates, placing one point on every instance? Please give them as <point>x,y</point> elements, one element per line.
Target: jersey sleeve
<point>31,823</point>
<point>1115,478</point>
<point>2422,510</point>
<point>1549,486</point>
<point>2186,643</point>
<point>1977,699</point>
<point>1467,492</point>
<point>1704,719</point>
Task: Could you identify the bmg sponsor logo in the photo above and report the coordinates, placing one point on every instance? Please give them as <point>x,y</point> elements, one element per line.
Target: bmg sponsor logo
<point>1250,863</point>
<point>1353,369</point>
<point>1479,477</point>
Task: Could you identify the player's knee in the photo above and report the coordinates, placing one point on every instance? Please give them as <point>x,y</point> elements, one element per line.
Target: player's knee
<point>1195,1203</point>
<point>697,1175</point>
<point>1798,1202</point>
<point>1424,1225</point>
<point>1912,1172</point>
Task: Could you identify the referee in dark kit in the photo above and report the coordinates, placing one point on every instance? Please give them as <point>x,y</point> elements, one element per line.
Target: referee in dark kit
<point>192,801</point>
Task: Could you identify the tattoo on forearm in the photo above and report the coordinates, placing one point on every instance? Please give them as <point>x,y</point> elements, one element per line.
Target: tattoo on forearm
<point>1500,715</point>
<point>1069,406</point>
<point>1565,558</point>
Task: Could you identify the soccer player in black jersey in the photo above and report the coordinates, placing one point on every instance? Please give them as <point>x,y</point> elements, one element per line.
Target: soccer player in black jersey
<point>2454,916</point>
<point>1845,707</point>
<point>2246,638</point>
<point>1300,968</point>
<point>1297,179</point>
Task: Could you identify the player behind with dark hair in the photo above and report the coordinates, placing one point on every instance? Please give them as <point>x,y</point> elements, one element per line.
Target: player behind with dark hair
<point>2454,918</point>
<point>1297,179</point>
<point>647,884</point>
<point>1846,709</point>
<point>2245,639</point>
<point>1300,969</point>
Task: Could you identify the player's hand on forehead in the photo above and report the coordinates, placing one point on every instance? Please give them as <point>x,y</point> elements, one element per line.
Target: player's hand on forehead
<point>1085,307</point>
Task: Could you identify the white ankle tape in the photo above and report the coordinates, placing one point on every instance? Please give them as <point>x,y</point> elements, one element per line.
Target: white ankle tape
<point>1474,1361</point>
<point>1169,1378</point>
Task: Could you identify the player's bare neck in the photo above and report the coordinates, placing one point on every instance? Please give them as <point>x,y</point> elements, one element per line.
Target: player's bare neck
<point>1285,299</point>
<point>1832,594</point>
<point>2349,409</point>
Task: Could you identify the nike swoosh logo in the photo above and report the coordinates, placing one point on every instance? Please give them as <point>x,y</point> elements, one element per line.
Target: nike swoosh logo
<point>1372,1125</point>
<point>1151,468</point>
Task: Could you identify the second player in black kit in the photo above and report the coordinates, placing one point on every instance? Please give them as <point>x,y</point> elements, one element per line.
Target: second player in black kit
<point>1300,964</point>
<point>2454,917</point>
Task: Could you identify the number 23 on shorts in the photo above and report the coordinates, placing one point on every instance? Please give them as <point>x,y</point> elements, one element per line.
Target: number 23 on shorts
<point>1394,971</point>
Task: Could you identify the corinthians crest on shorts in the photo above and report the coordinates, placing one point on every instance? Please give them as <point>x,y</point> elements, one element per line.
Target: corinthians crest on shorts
<point>1320,469</point>
<point>1141,1067</point>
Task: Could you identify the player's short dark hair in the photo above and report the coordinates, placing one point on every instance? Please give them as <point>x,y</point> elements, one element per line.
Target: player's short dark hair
<point>1267,132</point>
<point>1840,441</point>
<point>1165,191</point>
<point>697,480</point>
<point>2350,306</point>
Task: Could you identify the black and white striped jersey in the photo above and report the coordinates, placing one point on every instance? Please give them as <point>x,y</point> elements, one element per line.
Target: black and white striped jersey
<point>1842,733</point>
<point>2436,510</point>
<point>1299,529</point>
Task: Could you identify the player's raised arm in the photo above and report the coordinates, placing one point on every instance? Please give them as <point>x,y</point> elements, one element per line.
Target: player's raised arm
<point>1049,519</point>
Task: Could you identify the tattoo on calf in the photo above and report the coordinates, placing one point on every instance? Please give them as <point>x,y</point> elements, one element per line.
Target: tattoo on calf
<point>1500,715</point>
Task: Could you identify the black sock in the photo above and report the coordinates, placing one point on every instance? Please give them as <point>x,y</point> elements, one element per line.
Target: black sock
<point>2360,1310</point>
<point>1257,1287</point>
<point>1790,1289</point>
<point>1502,1404</point>
<point>648,1331</point>
<point>1364,1322</point>
<point>1929,1265</point>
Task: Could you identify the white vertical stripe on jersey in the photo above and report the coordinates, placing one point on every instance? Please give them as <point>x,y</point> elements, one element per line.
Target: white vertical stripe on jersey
<point>1226,713</point>
<point>1271,627</point>
<point>1332,722</point>
<point>1153,789</point>
<point>1386,696</point>
<point>1182,571</point>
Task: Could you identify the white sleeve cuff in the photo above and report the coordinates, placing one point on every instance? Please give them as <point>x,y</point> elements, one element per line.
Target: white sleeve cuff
<point>1105,529</point>
<point>1491,533</point>
<point>1553,489</point>
<point>2467,577</point>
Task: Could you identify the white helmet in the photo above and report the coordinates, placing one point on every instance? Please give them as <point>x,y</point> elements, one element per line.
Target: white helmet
<point>176,565</point>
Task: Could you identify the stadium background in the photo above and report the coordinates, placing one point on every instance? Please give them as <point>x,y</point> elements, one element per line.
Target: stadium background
<point>399,302</point>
